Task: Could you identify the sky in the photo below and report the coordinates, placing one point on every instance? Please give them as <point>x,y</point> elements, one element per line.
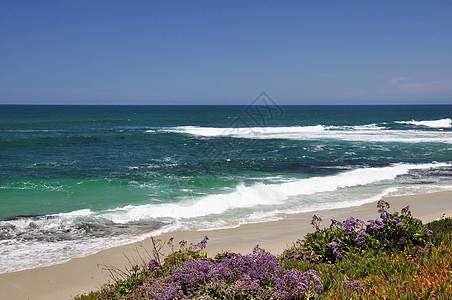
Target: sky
<point>225,52</point>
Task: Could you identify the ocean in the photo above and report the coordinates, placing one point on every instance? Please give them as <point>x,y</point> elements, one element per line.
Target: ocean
<point>78,179</point>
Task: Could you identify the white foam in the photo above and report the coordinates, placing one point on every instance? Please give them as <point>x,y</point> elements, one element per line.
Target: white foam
<point>256,203</point>
<point>423,189</point>
<point>251,131</point>
<point>260,194</point>
<point>76,213</point>
<point>372,126</point>
<point>366,133</point>
<point>443,123</point>
<point>28,251</point>
<point>27,255</point>
<point>263,216</point>
<point>242,131</point>
<point>241,197</point>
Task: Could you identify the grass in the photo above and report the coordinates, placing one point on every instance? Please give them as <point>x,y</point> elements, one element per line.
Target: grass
<point>415,271</point>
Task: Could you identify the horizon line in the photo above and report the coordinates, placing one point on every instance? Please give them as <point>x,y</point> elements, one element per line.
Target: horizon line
<point>365,104</point>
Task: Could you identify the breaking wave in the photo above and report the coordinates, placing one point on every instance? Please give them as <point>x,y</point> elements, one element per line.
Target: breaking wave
<point>83,232</point>
<point>443,123</point>
<point>364,133</point>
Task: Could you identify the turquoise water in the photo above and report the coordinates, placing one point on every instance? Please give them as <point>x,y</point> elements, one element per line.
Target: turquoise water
<point>78,179</point>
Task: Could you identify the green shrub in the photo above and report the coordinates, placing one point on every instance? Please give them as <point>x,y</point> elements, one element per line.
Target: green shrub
<point>392,232</point>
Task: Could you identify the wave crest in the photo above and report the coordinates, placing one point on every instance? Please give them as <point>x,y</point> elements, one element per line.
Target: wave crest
<point>443,123</point>
<point>361,133</point>
<point>260,194</point>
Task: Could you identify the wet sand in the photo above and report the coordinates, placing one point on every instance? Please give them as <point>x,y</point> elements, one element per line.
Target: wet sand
<point>81,275</point>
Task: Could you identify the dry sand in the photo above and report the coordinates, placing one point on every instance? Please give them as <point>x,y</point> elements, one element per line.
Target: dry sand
<point>81,275</point>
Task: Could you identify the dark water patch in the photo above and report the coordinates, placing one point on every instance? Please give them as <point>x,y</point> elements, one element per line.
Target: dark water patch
<point>56,228</point>
<point>21,217</point>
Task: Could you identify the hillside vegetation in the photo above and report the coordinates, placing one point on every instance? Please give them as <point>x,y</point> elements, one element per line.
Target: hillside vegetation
<point>393,257</point>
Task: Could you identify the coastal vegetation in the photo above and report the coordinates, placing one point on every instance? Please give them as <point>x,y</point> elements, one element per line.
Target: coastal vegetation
<point>393,257</point>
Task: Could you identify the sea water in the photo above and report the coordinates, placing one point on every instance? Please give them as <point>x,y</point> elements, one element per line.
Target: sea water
<point>78,179</point>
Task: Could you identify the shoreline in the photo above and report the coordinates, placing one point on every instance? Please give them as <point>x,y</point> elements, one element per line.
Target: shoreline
<point>81,275</point>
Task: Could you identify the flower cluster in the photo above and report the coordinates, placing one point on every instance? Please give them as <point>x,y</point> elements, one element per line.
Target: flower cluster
<point>236,276</point>
<point>162,290</point>
<point>203,243</point>
<point>361,237</point>
<point>353,285</point>
<point>335,247</point>
<point>351,225</point>
<point>154,264</point>
<point>295,284</point>
<point>375,225</point>
<point>398,222</point>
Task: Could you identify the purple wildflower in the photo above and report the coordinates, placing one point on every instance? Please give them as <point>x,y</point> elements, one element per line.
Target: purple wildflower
<point>347,230</point>
<point>428,231</point>
<point>351,224</point>
<point>360,237</point>
<point>336,246</point>
<point>396,220</point>
<point>336,223</point>
<point>403,240</point>
<point>294,284</point>
<point>191,275</point>
<point>354,286</point>
<point>202,244</point>
<point>375,225</point>
<point>246,286</point>
<point>300,241</point>
<point>260,264</point>
<point>234,276</point>
<point>384,216</point>
<point>154,264</point>
<point>400,224</point>
<point>161,290</point>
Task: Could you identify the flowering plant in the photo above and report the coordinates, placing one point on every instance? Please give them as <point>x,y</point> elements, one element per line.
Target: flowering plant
<point>392,231</point>
<point>235,276</point>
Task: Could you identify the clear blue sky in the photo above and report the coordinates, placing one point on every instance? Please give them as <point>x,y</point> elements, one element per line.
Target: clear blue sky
<point>225,52</point>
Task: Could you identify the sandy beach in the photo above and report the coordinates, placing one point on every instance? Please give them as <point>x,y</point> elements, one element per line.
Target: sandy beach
<point>81,275</point>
